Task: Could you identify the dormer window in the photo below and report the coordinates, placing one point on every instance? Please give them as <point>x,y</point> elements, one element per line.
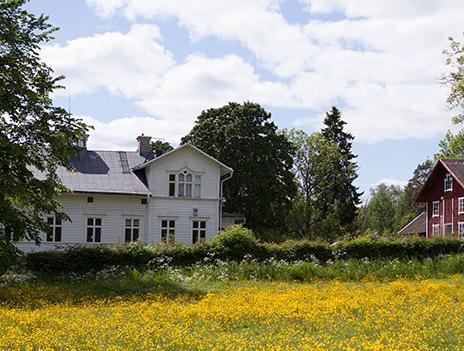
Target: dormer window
<point>184,184</point>
<point>448,182</point>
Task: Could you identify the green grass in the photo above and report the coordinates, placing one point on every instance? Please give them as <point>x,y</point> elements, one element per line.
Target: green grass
<point>194,281</point>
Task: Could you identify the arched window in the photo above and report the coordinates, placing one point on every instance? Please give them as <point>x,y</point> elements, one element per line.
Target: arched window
<point>186,184</point>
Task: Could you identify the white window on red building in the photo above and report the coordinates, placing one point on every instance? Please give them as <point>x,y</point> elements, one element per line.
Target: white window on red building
<point>435,207</point>
<point>435,229</point>
<point>461,230</point>
<point>461,205</point>
<point>448,182</point>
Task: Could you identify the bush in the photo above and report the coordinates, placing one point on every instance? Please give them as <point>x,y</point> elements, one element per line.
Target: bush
<point>234,243</point>
<point>9,256</point>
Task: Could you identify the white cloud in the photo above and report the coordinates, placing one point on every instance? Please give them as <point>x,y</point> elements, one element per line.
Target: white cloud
<point>106,8</point>
<point>201,83</point>
<point>257,25</point>
<point>383,61</point>
<point>120,133</point>
<point>129,64</point>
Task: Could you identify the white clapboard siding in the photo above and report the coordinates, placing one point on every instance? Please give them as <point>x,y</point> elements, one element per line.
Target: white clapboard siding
<point>177,161</point>
<point>182,211</point>
<point>112,209</point>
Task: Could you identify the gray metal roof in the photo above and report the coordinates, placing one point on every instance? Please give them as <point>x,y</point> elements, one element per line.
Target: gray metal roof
<point>416,226</point>
<point>105,172</point>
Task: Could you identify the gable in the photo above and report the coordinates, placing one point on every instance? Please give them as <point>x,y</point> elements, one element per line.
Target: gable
<point>435,181</point>
<point>184,152</point>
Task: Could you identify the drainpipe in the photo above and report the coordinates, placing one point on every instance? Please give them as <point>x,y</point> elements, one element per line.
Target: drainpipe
<point>221,198</point>
<point>147,218</point>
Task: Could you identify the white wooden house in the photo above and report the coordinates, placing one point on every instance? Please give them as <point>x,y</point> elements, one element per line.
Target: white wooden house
<point>121,196</point>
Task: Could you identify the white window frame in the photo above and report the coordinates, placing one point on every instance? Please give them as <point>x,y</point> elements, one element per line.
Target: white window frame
<point>131,229</point>
<point>172,182</point>
<point>55,229</point>
<point>95,228</point>
<point>167,230</point>
<point>198,230</point>
<point>435,206</point>
<point>187,184</point>
<point>435,230</point>
<point>460,202</point>
<point>448,181</point>
<point>461,230</point>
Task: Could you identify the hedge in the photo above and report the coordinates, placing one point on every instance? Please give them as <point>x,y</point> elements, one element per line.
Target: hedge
<point>235,243</point>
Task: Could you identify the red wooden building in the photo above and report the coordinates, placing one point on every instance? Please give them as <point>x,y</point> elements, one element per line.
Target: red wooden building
<point>443,194</point>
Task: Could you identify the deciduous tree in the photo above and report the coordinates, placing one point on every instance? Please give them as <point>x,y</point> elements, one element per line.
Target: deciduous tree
<point>34,134</point>
<point>243,137</point>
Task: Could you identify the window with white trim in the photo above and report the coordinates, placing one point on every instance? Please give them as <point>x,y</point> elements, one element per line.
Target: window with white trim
<point>461,230</point>
<point>448,182</point>
<point>172,185</point>
<point>168,230</point>
<point>435,229</point>
<point>435,208</point>
<point>461,205</point>
<point>197,189</point>
<point>131,229</point>
<point>184,184</point>
<point>94,230</point>
<point>198,231</point>
<point>54,229</point>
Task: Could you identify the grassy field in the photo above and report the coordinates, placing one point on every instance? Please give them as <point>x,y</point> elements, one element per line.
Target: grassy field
<point>150,311</point>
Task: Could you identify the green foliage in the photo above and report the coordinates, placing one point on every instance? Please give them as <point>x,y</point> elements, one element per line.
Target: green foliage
<point>382,207</point>
<point>235,244</point>
<point>391,207</point>
<point>162,146</point>
<point>341,189</point>
<point>243,137</point>
<point>451,147</point>
<point>408,208</point>
<point>316,162</point>
<point>34,134</point>
<point>9,255</point>
<point>455,78</point>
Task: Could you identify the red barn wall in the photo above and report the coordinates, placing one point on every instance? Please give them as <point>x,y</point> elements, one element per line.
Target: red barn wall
<point>449,199</point>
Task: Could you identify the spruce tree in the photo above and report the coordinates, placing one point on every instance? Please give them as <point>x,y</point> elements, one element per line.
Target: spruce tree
<point>341,190</point>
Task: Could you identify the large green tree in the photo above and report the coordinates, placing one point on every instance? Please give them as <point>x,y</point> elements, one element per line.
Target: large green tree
<point>340,188</point>
<point>382,207</point>
<point>161,146</point>
<point>455,78</point>
<point>408,208</point>
<point>243,137</point>
<point>451,146</point>
<point>34,134</point>
<point>316,159</point>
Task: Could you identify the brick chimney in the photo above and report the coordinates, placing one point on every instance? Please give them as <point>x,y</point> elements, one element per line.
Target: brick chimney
<point>144,144</point>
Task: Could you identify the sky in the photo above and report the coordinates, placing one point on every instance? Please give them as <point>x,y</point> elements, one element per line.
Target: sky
<point>140,66</point>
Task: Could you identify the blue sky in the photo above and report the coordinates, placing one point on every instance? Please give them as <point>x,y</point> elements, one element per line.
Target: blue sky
<point>136,66</point>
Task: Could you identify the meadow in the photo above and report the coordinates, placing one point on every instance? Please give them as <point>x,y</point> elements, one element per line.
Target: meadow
<point>239,306</point>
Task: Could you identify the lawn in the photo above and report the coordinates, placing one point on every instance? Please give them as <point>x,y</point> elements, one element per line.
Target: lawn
<point>152,312</point>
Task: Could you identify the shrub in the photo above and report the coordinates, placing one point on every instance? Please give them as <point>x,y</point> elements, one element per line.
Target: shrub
<point>9,255</point>
<point>234,243</point>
